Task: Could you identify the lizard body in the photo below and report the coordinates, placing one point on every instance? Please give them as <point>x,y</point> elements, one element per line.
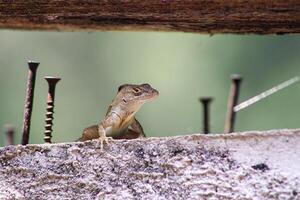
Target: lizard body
<point>119,121</point>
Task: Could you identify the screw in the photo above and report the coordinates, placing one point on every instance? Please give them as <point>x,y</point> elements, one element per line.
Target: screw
<point>232,101</point>
<point>206,102</point>
<point>50,107</point>
<point>9,132</point>
<point>32,67</point>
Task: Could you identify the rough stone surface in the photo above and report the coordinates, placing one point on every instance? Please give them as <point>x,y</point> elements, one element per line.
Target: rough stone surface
<point>252,165</point>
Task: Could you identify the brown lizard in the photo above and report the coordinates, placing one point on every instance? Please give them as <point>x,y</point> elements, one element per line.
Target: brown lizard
<point>119,121</point>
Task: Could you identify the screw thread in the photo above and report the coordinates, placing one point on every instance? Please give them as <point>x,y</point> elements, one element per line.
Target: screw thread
<point>49,121</point>
<point>52,81</point>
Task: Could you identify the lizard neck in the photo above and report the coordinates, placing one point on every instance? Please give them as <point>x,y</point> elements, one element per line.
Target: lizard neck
<point>125,113</point>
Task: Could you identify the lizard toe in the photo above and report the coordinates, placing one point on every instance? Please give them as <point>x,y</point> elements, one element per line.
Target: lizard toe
<point>102,140</point>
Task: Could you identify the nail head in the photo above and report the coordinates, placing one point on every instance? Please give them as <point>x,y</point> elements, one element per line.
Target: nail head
<point>206,99</point>
<point>51,79</point>
<point>33,64</point>
<point>236,77</point>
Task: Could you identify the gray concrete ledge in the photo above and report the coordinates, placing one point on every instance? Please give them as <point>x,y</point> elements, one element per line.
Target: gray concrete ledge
<point>250,165</point>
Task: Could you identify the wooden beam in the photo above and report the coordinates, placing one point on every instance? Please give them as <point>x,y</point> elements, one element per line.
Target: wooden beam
<point>202,16</point>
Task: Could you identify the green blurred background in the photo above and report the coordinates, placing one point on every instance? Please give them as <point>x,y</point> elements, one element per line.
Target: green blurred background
<point>181,66</point>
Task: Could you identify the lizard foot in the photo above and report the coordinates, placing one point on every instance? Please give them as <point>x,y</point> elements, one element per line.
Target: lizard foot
<point>101,140</point>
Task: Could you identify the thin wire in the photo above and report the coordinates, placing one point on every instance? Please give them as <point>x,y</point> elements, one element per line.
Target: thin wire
<point>265,94</point>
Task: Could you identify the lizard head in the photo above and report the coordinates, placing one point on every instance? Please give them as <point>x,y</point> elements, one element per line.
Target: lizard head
<point>137,94</point>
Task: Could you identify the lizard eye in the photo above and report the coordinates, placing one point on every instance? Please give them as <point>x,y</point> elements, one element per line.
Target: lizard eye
<point>136,90</point>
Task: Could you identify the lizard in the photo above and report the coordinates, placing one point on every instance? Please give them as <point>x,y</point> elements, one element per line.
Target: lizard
<point>119,121</point>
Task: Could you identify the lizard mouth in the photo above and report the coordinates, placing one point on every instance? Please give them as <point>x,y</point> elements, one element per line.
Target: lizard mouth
<point>153,95</point>
<point>156,93</point>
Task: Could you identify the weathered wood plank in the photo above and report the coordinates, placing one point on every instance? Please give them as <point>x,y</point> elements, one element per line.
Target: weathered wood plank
<point>215,16</point>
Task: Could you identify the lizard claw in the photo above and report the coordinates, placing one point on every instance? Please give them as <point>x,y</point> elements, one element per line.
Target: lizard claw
<point>101,140</point>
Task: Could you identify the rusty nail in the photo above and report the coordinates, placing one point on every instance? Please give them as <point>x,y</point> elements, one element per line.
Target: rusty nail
<point>9,133</point>
<point>50,107</point>
<point>32,67</point>
<point>206,102</point>
<point>232,101</point>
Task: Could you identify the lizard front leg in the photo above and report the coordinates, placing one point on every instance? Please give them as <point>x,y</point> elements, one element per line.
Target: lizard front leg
<point>102,136</point>
<point>107,127</point>
<point>135,130</point>
<point>138,127</point>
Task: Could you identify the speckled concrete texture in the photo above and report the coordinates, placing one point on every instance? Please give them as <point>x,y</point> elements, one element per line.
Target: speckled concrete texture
<point>252,165</point>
